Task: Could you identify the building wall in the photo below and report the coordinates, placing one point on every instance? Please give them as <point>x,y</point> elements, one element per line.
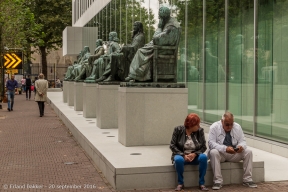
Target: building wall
<point>232,55</point>
<point>54,59</point>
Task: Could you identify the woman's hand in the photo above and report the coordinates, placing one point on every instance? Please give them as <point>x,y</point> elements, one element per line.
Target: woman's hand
<point>190,157</point>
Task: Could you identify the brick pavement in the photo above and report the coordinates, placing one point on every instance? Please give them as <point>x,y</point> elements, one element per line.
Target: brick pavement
<point>34,151</point>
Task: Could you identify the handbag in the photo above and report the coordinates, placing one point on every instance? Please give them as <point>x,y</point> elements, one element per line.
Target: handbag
<point>5,99</point>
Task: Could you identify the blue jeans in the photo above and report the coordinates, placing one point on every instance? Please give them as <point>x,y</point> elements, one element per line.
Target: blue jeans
<point>11,95</point>
<point>200,160</point>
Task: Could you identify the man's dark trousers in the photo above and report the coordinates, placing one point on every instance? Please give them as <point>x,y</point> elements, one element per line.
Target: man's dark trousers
<point>41,105</point>
<point>28,88</point>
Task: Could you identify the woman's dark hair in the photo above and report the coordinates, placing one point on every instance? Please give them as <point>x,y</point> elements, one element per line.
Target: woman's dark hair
<point>191,120</point>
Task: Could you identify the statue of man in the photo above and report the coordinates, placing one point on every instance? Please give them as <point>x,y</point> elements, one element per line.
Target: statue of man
<point>113,47</point>
<point>166,35</point>
<point>69,76</point>
<point>85,56</point>
<point>120,61</point>
<point>86,68</point>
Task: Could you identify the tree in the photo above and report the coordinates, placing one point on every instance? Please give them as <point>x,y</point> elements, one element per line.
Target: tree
<point>54,16</point>
<point>16,23</point>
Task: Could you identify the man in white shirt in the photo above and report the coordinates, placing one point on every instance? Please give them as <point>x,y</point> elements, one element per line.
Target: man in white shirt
<point>227,143</point>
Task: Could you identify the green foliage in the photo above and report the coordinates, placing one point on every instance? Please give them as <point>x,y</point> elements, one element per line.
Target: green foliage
<point>54,16</point>
<point>17,22</point>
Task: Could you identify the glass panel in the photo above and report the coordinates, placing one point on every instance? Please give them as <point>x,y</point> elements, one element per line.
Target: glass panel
<point>241,64</point>
<point>191,56</point>
<point>272,75</point>
<point>214,60</point>
<point>181,17</point>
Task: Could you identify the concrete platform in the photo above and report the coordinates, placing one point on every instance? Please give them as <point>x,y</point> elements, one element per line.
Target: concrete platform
<point>78,96</point>
<point>89,99</point>
<point>150,166</point>
<point>70,94</point>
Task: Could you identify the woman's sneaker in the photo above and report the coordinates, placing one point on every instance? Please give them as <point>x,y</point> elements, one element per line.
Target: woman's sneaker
<point>250,184</point>
<point>216,186</point>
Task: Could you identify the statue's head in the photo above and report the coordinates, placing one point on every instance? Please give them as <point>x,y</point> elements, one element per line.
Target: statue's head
<point>86,50</point>
<point>113,36</point>
<point>99,42</point>
<point>138,27</point>
<point>164,12</point>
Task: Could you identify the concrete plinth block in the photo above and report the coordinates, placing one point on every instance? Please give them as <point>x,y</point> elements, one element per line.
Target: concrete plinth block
<point>78,96</point>
<point>70,98</point>
<point>107,106</point>
<point>65,91</point>
<point>89,100</point>
<point>147,116</point>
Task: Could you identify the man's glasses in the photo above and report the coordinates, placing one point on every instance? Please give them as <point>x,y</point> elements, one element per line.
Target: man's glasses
<point>228,124</point>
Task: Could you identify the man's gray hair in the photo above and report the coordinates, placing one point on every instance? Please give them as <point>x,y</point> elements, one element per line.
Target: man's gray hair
<point>227,114</point>
<point>41,76</point>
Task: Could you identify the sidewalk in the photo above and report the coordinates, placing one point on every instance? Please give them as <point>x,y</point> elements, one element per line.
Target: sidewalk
<point>41,152</point>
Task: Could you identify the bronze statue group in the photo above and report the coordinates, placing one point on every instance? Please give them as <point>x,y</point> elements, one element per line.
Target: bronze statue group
<point>128,63</point>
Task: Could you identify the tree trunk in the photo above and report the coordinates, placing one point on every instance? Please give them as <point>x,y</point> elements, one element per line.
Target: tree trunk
<point>44,61</point>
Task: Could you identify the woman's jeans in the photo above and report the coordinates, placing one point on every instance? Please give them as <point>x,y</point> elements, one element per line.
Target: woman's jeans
<point>11,95</point>
<point>200,160</point>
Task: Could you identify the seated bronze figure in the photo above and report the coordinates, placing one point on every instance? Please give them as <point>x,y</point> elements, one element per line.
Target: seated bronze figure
<point>167,34</point>
<point>103,63</point>
<point>120,61</point>
<point>87,66</point>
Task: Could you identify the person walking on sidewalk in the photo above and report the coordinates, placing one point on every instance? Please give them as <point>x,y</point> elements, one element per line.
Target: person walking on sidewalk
<point>41,86</point>
<point>28,87</point>
<point>11,85</point>
<point>23,83</point>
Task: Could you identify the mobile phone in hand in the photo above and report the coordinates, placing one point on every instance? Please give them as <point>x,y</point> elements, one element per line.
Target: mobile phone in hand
<point>236,149</point>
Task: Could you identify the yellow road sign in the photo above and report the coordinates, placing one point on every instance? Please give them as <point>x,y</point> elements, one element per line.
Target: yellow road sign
<point>13,71</point>
<point>13,60</point>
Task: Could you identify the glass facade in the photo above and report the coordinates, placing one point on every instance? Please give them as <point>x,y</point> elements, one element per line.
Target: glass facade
<point>232,56</point>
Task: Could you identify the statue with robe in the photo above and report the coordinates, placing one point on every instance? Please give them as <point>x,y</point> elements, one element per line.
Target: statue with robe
<point>166,35</point>
<point>87,66</point>
<point>103,63</point>
<point>120,61</point>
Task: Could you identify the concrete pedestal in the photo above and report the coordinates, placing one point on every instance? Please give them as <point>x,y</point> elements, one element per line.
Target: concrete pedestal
<point>148,116</point>
<point>89,99</point>
<point>78,96</point>
<point>70,96</point>
<point>107,106</point>
<point>65,91</point>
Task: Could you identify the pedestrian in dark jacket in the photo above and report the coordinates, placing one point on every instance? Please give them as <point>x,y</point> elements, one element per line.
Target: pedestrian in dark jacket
<point>188,145</point>
<point>28,87</point>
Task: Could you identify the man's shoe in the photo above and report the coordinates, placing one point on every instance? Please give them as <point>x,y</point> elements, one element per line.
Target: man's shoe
<point>216,186</point>
<point>11,109</point>
<point>250,184</point>
<point>8,109</point>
